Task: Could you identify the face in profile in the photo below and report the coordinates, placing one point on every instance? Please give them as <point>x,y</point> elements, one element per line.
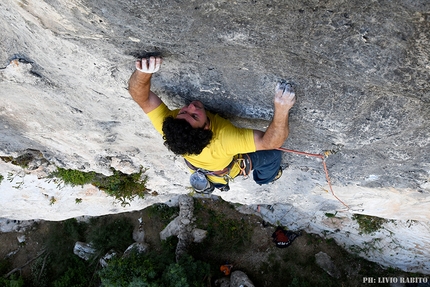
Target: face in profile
<point>195,115</point>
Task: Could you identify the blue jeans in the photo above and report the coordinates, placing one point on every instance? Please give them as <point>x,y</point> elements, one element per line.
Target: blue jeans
<point>265,165</point>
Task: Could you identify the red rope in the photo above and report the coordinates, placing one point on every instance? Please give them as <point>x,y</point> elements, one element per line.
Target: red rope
<point>324,166</point>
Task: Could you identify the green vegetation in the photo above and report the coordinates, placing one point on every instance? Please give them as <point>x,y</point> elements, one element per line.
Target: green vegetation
<point>14,280</point>
<point>369,224</point>
<point>163,212</point>
<point>231,239</point>
<point>22,160</point>
<point>105,234</point>
<point>52,200</point>
<point>330,215</point>
<point>155,269</point>
<point>58,266</point>
<point>224,233</point>
<point>74,177</point>
<point>1,178</point>
<point>123,187</point>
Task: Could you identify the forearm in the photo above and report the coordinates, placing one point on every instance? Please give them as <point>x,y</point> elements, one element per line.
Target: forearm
<point>139,87</point>
<point>277,132</point>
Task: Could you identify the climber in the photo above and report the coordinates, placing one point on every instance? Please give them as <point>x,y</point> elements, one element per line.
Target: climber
<point>213,148</point>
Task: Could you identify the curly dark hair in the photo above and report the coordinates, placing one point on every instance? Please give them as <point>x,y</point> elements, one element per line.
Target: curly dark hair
<point>182,139</point>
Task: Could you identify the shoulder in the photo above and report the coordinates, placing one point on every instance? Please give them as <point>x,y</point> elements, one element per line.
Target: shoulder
<point>158,115</point>
<point>232,138</point>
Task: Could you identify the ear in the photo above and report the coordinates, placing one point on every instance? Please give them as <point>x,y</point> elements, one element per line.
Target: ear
<point>207,124</point>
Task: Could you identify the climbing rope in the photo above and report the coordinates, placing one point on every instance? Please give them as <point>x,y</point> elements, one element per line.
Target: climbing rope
<point>322,157</point>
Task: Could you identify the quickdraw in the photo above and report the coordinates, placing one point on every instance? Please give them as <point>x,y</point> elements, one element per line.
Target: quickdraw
<point>322,157</point>
<point>245,165</point>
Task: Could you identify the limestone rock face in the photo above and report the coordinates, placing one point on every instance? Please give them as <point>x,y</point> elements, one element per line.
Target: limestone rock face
<point>361,71</point>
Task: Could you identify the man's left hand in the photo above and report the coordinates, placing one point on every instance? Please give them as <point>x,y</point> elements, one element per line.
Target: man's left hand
<point>148,66</point>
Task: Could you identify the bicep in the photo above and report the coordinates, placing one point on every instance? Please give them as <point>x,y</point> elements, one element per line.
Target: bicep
<point>152,102</point>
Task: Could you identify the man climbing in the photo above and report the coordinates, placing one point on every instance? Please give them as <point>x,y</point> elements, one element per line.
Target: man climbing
<point>213,148</point>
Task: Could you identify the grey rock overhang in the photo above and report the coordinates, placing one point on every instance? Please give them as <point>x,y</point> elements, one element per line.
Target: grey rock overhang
<point>361,72</point>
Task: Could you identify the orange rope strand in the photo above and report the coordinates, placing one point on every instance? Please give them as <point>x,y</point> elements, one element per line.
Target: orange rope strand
<point>324,166</point>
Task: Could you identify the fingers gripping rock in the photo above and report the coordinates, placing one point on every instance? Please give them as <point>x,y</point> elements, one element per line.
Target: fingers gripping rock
<point>284,95</point>
<point>284,87</point>
<point>148,66</point>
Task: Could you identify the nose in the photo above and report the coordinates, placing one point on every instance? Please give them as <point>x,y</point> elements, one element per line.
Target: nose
<point>191,107</point>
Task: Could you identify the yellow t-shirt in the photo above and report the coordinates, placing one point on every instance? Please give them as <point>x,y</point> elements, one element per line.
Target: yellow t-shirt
<point>228,141</point>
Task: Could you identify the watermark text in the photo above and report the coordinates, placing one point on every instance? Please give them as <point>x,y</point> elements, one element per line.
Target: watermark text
<point>376,280</point>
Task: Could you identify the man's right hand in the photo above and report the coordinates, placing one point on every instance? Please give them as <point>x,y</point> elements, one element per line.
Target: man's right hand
<point>149,66</point>
<point>278,130</point>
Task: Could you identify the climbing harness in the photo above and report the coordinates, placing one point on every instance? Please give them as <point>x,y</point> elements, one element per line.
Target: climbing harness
<point>205,186</point>
<point>322,157</point>
<point>202,184</point>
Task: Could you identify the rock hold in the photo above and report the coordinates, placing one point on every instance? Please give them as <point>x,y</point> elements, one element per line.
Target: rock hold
<point>186,208</point>
<point>324,261</point>
<point>139,233</point>
<point>239,278</point>
<point>138,247</point>
<point>84,250</point>
<point>104,261</point>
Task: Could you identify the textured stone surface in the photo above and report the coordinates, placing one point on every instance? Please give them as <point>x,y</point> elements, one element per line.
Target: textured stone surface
<point>324,261</point>
<point>239,278</point>
<point>83,250</point>
<point>361,70</point>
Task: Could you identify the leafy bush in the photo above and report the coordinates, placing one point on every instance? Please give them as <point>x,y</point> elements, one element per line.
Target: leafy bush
<point>74,177</point>
<point>224,233</point>
<point>41,271</point>
<point>123,187</point>
<point>58,263</point>
<point>105,235</point>
<point>369,224</point>
<point>154,270</point>
<point>163,212</point>
<point>77,274</point>
<point>60,267</point>
<point>195,271</point>
<point>13,281</point>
